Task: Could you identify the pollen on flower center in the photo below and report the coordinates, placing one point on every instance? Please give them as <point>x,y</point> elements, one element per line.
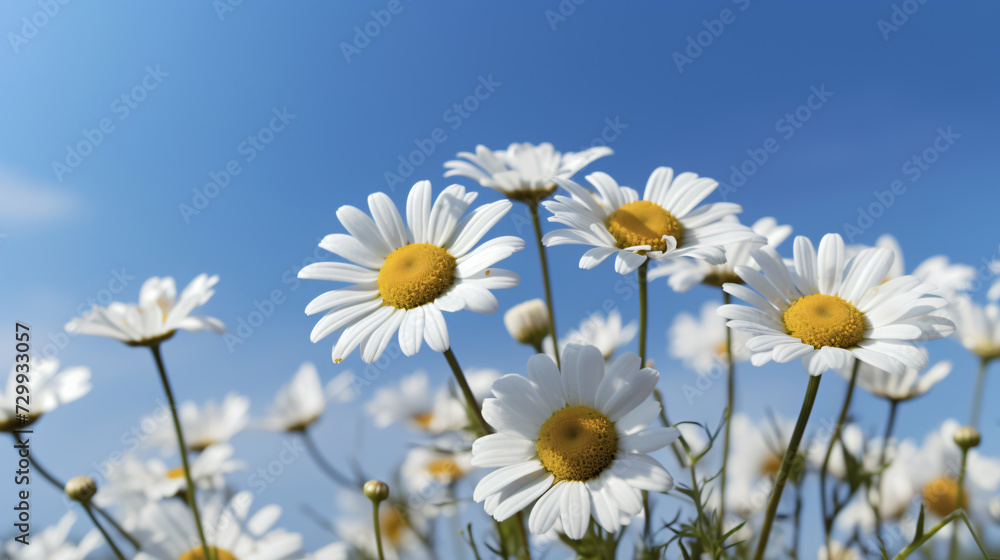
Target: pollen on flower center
<point>391,524</point>
<point>415,274</point>
<point>644,223</point>
<point>577,443</point>
<point>198,553</point>
<point>176,473</point>
<point>444,470</point>
<point>821,320</point>
<point>941,495</point>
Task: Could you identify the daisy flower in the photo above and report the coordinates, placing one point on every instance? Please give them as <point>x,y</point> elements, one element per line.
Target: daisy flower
<point>685,274</point>
<point>528,322</point>
<point>837,551</point>
<point>412,404</point>
<point>401,527</point>
<point>892,498</point>
<point>52,543</point>
<point>756,453</point>
<point>134,482</point>
<point>977,327</point>
<point>947,278</point>
<point>300,403</point>
<point>606,332</point>
<point>828,310</point>
<point>576,441</point>
<point>49,389</point>
<point>522,172</point>
<point>211,424</point>
<point>156,317</point>
<point>666,223</point>
<point>403,275</point>
<point>895,387</point>
<point>700,342</point>
<point>167,531</point>
<point>428,475</point>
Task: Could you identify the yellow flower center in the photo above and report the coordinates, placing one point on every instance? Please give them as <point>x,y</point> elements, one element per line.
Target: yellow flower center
<point>391,524</point>
<point>176,473</point>
<point>987,350</point>
<point>577,443</point>
<point>415,274</point>
<point>771,465</point>
<point>198,553</point>
<point>941,495</point>
<point>423,419</point>
<point>444,470</point>
<point>644,223</point>
<point>821,320</point>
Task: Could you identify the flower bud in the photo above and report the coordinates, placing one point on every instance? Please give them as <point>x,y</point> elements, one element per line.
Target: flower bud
<point>81,488</point>
<point>967,437</point>
<point>376,491</point>
<point>528,322</point>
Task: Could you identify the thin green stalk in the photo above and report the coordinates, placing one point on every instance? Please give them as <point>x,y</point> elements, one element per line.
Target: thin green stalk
<point>525,552</point>
<point>977,393</point>
<point>467,391</point>
<point>643,304</point>
<point>328,469</point>
<point>533,206</point>
<point>834,438</point>
<point>798,519</point>
<point>378,530</point>
<point>959,501</point>
<point>111,543</point>
<point>926,536</point>
<point>192,502</point>
<point>890,423</point>
<point>730,398</point>
<point>786,464</point>
<point>61,487</point>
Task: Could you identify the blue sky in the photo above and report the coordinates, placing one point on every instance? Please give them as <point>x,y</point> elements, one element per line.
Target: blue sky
<point>199,84</point>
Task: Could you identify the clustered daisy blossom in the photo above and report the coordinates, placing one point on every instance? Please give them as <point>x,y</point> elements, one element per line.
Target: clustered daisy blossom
<point>403,275</point>
<point>48,388</point>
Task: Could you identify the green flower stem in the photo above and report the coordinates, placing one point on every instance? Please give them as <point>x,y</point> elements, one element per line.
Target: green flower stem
<point>977,394</point>
<point>533,207</point>
<point>786,464</point>
<point>477,410</point>
<point>111,543</point>
<point>60,486</point>
<point>322,463</point>
<point>378,530</point>
<point>192,502</point>
<point>834,438</point>
<point>890,423</point>
<point>926,536</point>
<point>959,501</point>
<point>730,398</point>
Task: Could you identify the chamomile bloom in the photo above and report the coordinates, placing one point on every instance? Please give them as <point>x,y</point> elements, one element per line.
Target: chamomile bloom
<point>402,528</point>
<point>403,275</point>
<point>167,531</point>
<point>837,551</point>
<point>892,497</point>
<point>430,474</point>
<point>528,322</point>
<point>606,332</point>
<point>573,443</point>
<point>48,387</point>
<point>52,543</point>
<point>522,172</point>
<point>895,387</point>
<point>978,327</point>
<point>757,452</point>
<point>156,317</point>
<point>413,404</point>
<point>700,342</point>
<point>684,274</point>
<point>666,223</point>
<point>828,310</point>
<point>298,404</point>
<point>938,271</point>
<point>207,425</point>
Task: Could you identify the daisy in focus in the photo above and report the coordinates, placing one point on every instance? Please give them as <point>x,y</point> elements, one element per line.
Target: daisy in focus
<point>828,310</point>
<point>684,274</point>
<point>205,426</point>
<point>700,342</point>
<point>522,172</point>
<point>49,388</point>
<point>156,317</point>
<point>574,442</point>
<point>403,275</point>
<point>666,223</point>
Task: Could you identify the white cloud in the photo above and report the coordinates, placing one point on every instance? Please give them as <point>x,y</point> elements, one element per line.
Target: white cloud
<point>27,201</point>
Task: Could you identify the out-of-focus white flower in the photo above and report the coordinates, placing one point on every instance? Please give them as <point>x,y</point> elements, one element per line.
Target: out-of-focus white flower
<point>52,543</point>
<point>398,523</point>
<point>755,459</point>
<point>910,385</point>
<point>700,342</point>
<point>298,404</point>
<point>523,171</point>
<point>528,322</point>
<point>156,317</point>
<point>213,423</point>
<point>977,327</point>
<point>167,531</point>
<point>946,278</point>
<point>893,496</point>
<point>48,388</point>
<point>685,274</point>
<point>607,333</point>
<point>414,405</point>
<point>837,551</point>
<point>428,476</point>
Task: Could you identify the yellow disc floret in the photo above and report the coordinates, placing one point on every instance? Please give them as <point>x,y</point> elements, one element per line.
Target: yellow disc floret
<point>176,473</point>
<point>941,496</point>
<point>198,553</point>
<point>415,274</point>
<point>444,470</point>
<point>644,223</point>
<point>821,320</point>
<point>577,443</point>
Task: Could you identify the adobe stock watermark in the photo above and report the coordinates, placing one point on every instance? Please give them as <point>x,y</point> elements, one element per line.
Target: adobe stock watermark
<point>250,148</point>
<point>913,168</point>
<point>454,116</point>
<point>698,42</point>
<point>898,17</point>
<point>364,34</point>
<point>31,25</point>
<point>786,126</point>
<point>562,12</point>
<point>121,107</point>
<point>225,7</point>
